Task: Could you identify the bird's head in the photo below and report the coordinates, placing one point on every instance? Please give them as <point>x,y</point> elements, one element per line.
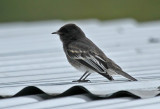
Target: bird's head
<point>69,32</point>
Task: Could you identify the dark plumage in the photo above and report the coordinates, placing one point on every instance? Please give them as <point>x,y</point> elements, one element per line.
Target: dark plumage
<point>85,56</point>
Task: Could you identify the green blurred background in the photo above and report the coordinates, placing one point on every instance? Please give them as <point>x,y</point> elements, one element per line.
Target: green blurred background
<point>33,10</point>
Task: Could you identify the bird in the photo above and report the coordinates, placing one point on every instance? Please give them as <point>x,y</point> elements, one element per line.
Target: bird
<point>85,56</point>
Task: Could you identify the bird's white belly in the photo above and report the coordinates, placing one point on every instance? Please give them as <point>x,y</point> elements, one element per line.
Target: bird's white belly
<point>83,68</point>
<point>79,66</point>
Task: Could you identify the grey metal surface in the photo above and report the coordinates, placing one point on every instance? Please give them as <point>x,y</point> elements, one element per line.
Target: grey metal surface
<point>31,56</point>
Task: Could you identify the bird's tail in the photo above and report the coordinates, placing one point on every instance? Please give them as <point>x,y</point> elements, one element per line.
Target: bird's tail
<point>126,75</point>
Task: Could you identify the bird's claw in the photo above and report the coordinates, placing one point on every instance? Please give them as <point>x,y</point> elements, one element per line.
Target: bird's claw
<point>82,81</point>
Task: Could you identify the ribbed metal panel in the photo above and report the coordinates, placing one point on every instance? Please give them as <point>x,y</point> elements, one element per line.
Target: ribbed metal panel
<point>31,56</point>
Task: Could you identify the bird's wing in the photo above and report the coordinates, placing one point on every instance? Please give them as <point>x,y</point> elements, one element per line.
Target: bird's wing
<point>94,60</point>
<point>88,57</point>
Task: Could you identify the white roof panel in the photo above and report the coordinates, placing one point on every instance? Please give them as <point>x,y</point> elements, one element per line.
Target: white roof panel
<point>34,69</point>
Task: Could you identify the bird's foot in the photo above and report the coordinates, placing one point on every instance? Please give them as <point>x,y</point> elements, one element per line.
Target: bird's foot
<point>82,81</point>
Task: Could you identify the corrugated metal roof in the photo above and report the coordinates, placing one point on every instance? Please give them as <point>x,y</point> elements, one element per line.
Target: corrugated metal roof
<point>34,72</point>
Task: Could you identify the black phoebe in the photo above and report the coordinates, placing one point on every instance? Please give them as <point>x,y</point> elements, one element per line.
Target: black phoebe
<point>85,56</point>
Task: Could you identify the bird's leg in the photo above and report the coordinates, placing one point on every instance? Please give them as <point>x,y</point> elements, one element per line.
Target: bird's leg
<point>83,77</point>
<point>86,76</point>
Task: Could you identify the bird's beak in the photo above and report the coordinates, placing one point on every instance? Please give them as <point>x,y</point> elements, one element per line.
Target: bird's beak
<point>54,33</point>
